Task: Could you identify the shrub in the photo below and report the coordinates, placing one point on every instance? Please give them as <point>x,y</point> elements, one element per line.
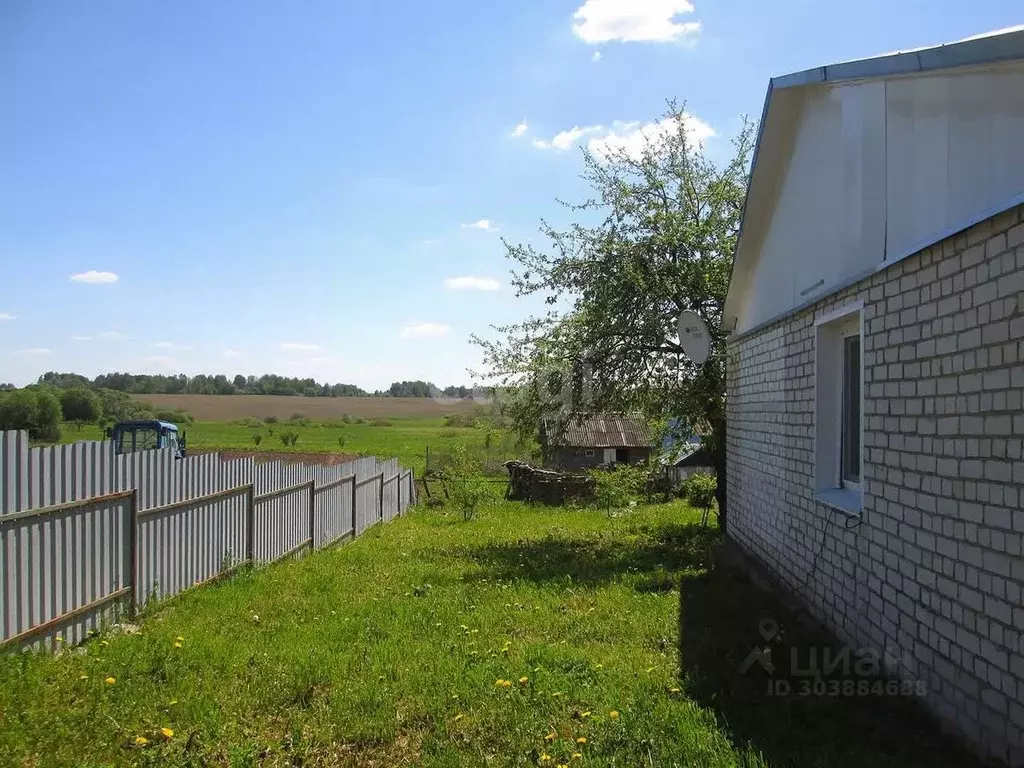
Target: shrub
<point>270,419</point>
<point>346,418</point>
<point>460,420</point>
<point>467,487</point>
<point>176,416</point>
<point>699,489</point>
<point>257,439</point>
<point>379,422</point>
<point>616,488</point>
<point>80,406</point>
<point>298,418</point>
<point>289,437</point>
<point>253,423</point>
<point>342,439</point>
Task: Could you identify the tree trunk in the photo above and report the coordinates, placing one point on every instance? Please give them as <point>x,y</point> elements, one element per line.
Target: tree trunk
<point>718,456</point>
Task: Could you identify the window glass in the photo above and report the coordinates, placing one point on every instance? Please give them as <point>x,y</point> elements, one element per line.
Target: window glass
<point>851,410</point>
<point>145,439</point>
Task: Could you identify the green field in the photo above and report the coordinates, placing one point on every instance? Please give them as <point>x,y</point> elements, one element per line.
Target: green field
<point>528,637</point>
<point>406,439</point>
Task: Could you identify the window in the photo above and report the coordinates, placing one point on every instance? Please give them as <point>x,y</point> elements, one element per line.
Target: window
<point>838,434</point>
<point>170,439</point>
<point>590,452</point>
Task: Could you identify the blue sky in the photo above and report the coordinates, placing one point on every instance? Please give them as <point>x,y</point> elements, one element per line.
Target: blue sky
<point>320,188</point>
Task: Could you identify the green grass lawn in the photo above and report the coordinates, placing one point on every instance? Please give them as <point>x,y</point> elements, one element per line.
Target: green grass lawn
<point>406,439</point>
<point>529,636</point>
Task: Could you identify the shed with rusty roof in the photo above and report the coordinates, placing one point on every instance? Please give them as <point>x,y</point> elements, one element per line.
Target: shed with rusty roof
<point>581,441</point>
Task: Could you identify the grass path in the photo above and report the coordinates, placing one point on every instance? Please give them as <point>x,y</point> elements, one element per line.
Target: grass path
<point>527,637</point>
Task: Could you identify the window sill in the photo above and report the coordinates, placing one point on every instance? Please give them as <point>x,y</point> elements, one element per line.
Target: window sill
<point>843,499</point>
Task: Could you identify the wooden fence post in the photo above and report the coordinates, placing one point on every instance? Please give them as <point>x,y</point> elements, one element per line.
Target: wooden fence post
<point>354,530</point>
<point>250,517</point>
<point>381,508</point>
<point>399,513</point>
<point>133,552</point>
<point>312,516</point>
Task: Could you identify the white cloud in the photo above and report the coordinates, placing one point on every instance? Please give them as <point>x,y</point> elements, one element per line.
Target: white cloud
<point>231,353</point>
<point>160,361</point>
<point>425,331</point>
<point>633,21</point>
<point>566,139</point>
<point>33,351</point>
<point>92,276</point>
<point>298,346</point>
<point>521,128</point>
<point>171,345</point>
<point>81,338</point>
<point>112,336</point>
<point>321,360</point>
<point>485,224</point>
<point>632,138</point>
<point>7,316</point>
<point>596,56</point>
<point>471,284</point>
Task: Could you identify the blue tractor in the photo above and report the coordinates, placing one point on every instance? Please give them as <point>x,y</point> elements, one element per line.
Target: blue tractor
<point>146,435</point>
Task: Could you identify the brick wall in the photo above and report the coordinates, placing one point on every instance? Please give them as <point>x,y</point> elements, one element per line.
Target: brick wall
<point>932,576</point>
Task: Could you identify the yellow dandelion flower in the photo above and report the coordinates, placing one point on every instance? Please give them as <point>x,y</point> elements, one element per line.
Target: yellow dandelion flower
<point>673,690</point>
<point>562,765</point>
<point>172,702</point>
<point>110,680</point>
<point>180,639</point>
<point>613,714</point>
<point>83,677</point>
<point>167,733</point>
<point>141,741</point>
<point>177,644</point>
<point>459,717</point>
<point>524,680</point>
<point>577,755</point>
<point>104,642</point>
<point>585,714</point>
<point>599,666</point>
<point>581,740</point>
<point>556,695</point>
<point>58,639</point>
<point>551,736</point>
<point>545,758</point>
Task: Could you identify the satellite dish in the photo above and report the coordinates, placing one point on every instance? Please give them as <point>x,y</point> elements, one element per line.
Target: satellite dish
<point>694,337</point>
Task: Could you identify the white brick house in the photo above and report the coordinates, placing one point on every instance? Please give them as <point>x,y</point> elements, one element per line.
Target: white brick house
<point>876,367</point>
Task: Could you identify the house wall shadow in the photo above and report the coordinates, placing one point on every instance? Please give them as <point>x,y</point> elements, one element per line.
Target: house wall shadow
<point>746,657</point>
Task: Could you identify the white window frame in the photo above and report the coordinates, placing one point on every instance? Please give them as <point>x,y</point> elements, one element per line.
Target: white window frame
<point>831,331</point>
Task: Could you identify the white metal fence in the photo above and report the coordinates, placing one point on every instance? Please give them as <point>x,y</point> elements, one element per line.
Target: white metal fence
<point>84,532</point>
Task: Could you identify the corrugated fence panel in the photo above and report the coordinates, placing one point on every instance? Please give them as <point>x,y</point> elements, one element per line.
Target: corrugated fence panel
<point>58,561</point>
<point>62,560</point>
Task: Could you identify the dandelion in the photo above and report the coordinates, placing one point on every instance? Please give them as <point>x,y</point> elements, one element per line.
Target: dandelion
<point>167,732</point>
<point>180,639</point>
<point>104,642</point>
<point>110,680</point>
<point>599,666</point>
<point>459,717</point>
<point>581,740</point>
<point>551,736</point>
<point>577,755</point>
<point>556,695</point>
<point>585,714</point>
<point>524,680</point>
<point>177,644</point>
<point>172,702</point>
<point>673,690</point>
<point>545,758</point>
<point>141,741</point>
<point>83,677</point>
<point>613,714</point>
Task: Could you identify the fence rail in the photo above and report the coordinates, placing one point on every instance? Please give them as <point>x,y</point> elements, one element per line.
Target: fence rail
<point>86,535</point>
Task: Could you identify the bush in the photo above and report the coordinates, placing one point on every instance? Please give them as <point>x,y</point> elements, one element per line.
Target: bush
<point>342,439</point>
<point>80,406</point>
<point>252,423</point>
<point>257,439</point>
<point>460,420</point>
<point>699,489</point>
<point>467,487</point>
<point>298,418</point>
<point>289,437</point>
<point>270,419</point>
<point>616,488</point>
<point>177,416</point>
<point>379,422</point>
<point>34,409</point>
<point>346,418</point>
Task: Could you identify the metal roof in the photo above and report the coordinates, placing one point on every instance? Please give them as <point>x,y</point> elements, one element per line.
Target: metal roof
<point>999,45</point>
<point>603,431</point>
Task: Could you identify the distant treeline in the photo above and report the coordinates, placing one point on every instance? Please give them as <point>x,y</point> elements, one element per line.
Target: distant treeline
<point>219,384</point>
